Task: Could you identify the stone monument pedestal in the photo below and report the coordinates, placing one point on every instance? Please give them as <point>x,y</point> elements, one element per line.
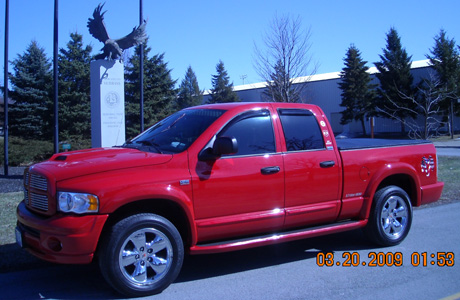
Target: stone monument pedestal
<point>107,103</point>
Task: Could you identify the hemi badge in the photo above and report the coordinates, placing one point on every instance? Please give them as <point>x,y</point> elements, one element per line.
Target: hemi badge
<point>184,182</point>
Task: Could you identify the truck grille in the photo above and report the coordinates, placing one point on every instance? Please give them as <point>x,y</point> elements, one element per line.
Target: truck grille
<point>36,191</point>
<point>38,182</point>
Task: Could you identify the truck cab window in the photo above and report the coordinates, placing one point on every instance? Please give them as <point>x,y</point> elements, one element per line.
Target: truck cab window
<point>301,130</point>
<point>253,132</point>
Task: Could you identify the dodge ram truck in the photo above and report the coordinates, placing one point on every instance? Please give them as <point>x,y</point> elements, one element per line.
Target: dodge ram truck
<point>217,178</point>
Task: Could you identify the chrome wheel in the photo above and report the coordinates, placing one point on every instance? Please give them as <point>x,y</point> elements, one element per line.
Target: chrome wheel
<point>146,256</point>
<point>141,255</point>
<point>394,217</point>
<point>390,217</point>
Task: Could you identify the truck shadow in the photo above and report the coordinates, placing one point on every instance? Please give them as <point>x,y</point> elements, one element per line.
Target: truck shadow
<point>34,279</point>
<point>205,266</point>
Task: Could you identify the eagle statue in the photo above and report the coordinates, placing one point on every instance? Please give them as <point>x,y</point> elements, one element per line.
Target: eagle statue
<point>113,49</point>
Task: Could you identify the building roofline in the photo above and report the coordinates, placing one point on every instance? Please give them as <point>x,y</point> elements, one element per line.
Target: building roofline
<point>319,77</point>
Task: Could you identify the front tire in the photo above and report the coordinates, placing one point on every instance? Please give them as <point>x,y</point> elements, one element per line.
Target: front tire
<point>141,255</point>
<point>390,217</point>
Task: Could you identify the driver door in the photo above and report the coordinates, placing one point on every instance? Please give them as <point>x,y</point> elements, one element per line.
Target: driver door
<point>242,193</point>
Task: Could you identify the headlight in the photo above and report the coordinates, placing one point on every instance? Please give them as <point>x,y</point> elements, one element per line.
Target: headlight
<point>78,203</point>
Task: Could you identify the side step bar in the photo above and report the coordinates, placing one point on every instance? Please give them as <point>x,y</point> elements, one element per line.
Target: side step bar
<point>274,238</point>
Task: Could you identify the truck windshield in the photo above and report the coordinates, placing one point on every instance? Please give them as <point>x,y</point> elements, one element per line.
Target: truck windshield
<point>175,133</point>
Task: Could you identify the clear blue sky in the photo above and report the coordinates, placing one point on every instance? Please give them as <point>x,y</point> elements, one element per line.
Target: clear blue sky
<point>200,33</point>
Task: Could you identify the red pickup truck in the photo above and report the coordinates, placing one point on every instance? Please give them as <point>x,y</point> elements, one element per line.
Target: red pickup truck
<point>217,178</point>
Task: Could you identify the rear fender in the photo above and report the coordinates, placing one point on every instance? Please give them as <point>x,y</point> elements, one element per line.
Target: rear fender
<point>392,169</point>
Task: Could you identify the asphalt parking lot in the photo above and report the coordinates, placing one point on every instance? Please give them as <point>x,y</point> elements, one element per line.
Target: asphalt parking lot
<point>285,271</point>
<point>288,271</point>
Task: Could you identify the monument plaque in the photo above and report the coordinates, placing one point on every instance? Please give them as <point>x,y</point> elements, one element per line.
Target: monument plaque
<point>107,82</point>
<point>107,103</point>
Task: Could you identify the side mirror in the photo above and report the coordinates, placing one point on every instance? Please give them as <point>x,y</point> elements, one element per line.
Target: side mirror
<point>225,145</point>
<point>221,146</point>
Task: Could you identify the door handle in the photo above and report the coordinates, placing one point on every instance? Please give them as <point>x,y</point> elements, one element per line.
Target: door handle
<point>270,170</point>
<point>327,164</point>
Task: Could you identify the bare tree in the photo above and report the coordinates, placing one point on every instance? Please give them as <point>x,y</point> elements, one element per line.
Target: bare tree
<point>426,101</point>
<point>284,57</point>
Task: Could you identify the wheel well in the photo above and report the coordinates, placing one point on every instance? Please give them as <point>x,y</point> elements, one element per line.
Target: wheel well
<point>165,208</point>
<point>403,181</point>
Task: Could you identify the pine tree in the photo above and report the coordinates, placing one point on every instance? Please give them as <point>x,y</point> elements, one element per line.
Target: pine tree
<point>358,93</point>
<point>74,89</point>
<point>395,79</point>
<point>445,61</point>
<point>31,116</point>
<point>189,91</point>
<point>222,89</point>
<point>159,90</point>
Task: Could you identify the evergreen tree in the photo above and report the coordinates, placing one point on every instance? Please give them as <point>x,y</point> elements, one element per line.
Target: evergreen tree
<point>159,91</point>
<point>222,89</point>
<point>445,61</point>
<point>358,93</point>
<point>31,116</point>
<point>189,91</point>
<point>395,79</point>
<point>74,89</point>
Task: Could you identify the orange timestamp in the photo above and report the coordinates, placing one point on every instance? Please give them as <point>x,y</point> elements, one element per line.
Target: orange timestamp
<point>385,259</point>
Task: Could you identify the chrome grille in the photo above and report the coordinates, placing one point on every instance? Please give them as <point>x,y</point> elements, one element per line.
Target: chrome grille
<point>26,196</point>
<point>36,191</point>
<point>38,182</point>
<point>39,201</point>
<point>26,189</point>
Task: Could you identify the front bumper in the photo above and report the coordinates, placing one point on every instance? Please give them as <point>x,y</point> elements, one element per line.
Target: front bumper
<point>68,239</point>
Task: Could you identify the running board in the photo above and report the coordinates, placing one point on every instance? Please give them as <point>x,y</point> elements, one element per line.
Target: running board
<point>275,238</point>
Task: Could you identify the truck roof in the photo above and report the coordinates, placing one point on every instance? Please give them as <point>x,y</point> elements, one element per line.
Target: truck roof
<point>233,105</point>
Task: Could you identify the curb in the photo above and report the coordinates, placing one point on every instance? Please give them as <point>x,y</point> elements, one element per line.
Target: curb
<point>448,147</point>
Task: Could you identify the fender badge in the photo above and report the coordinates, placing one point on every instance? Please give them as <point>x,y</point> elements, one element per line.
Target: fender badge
<point>184,182</point>
<point>427,165</point>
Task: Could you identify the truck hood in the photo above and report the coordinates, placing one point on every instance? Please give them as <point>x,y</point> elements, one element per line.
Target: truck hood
<point>90,161</point>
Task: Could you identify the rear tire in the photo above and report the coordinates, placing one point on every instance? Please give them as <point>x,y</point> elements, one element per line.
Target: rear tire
<point>141,255</point>
<point>390,216</point>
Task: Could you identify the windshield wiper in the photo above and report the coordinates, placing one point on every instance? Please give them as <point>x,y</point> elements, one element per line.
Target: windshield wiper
<point>139,144</point>
<point>150,144</point>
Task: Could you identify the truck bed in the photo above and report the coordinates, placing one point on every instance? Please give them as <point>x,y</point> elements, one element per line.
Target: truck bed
<point>354,144</point>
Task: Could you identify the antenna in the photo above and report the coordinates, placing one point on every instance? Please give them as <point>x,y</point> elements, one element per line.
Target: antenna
<point>243,77</point>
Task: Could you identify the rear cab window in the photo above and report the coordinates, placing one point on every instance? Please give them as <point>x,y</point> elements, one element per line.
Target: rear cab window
<point>301,130</point>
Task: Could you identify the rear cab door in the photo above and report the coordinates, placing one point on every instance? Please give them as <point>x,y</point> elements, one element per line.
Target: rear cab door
<point>312,166</point>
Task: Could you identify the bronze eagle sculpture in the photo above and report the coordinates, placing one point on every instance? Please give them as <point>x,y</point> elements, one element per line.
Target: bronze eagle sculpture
<point>113,49</point>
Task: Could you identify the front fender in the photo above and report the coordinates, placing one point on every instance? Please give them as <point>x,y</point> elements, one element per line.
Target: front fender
<point>116,198</point>
<point>122,187</point>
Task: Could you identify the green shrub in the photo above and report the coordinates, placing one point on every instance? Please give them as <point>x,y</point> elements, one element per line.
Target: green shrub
<point>24,152</point>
